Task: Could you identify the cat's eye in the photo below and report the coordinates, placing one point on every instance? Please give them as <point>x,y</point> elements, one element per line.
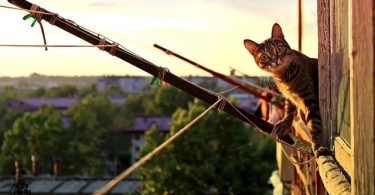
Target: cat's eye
<point>264,58</point>
<point>280,49</point>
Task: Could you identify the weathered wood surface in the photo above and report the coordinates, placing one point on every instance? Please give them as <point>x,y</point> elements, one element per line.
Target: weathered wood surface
<point>329,66</point>
<point>302,175</point>
<point>343,154</point>
<point>334,181</point>
<point>340,69</point>
<point>324,65</point>
<point>302,130</point>
<point>285,167</point>
<point>362,97</point>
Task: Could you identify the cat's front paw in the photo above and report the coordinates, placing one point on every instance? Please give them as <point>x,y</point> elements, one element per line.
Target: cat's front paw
<point>281,128</point>
<point>321,151</point>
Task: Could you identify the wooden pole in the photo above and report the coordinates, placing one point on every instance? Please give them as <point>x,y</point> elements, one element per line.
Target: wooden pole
<point>215,74</point>
<point>299,25</point>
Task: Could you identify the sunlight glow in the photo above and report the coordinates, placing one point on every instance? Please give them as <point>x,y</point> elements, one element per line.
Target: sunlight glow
<point>210,33</point>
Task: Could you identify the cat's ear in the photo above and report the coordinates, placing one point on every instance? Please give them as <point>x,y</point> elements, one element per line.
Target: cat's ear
<point>277,32</point>
<point>251,46</point>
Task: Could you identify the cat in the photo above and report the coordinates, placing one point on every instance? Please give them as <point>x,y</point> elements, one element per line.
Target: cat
<point>296,77</point>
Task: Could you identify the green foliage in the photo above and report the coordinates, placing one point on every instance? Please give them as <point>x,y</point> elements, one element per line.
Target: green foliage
<point>96,134</point>
<point>94,137</point>
<point>12,92</point>
<point>62,91</point>
<point>7,118</point>
<point>218,155</point>
<point>160,102</point>
<point>40,133</point>
<point>113,90</point>
<point>89,90</point>
<point>40,92</point>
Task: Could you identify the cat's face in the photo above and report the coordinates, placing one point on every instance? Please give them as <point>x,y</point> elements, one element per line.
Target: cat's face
<point>274,54</point>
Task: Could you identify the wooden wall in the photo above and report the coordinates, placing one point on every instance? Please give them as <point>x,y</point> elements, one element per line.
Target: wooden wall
<point>362,96</point>
<point>346,39</point>
<point>324,51</point>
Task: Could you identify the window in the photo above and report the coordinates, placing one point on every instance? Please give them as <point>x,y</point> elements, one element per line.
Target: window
<point>340,62</point>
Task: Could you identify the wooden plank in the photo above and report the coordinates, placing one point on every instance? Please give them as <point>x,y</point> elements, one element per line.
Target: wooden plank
<point>301,175</point>
<point>285,167</point>
<point>302,130</point>
<point>362,96</point>
<point>343,154</point>
<point>296,190</point>
<point>324,65</point>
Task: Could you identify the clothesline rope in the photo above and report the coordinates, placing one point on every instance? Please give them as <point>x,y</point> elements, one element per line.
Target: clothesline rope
<point>148,156</point>
<point>28,10</point>
<point>25,45</point>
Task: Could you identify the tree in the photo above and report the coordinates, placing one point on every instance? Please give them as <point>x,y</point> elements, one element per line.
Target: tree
<point>218,155</point>
<point>114,91</point>
<point>40,133</point>
<point>7,118</point>
<point>158,102</point>
<point>89,90</point>
<point>40,92</point>
<point>96,134</point>
<point>62,91</point>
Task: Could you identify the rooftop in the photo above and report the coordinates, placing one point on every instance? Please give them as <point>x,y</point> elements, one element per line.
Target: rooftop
<point>68,185</point>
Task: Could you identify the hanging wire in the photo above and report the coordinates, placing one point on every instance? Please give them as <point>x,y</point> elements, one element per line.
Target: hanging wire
<point>292,161</point>
<point>72,23</point>
<point>151,154</point>
<point>28,10</point>
<point>59,46</point>
<point>255,85</point>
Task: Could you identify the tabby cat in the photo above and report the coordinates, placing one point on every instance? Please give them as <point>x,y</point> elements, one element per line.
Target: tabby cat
<point>296,76</point>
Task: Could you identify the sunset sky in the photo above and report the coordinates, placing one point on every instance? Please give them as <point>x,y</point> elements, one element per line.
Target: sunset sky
<point>206,31</point>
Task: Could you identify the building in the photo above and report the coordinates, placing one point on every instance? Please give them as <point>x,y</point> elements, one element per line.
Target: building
<point>128,84</point>
<point>60,104</point>
<point>44,185</point>
<point>138,130</point>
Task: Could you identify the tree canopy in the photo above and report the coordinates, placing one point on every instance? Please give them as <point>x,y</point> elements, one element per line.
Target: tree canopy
<point>158,102</point>
<point>96,134</point>
<point>218,155</point>
<point>41,134</point>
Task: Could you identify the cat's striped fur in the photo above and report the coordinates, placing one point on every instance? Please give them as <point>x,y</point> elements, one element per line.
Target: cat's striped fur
<point>296,76</point>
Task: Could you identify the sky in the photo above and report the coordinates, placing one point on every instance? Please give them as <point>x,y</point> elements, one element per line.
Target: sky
<point>208,32</point>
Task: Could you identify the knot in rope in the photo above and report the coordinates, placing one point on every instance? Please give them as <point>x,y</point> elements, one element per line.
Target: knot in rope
<point>113,48</point>
<point>162,72</point>
<point>36,12</point>
<point>102,43</point>
<point>53,19</point>
<point>222,103</point>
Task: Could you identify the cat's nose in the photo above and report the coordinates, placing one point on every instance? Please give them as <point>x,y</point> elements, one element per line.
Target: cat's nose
<point>273,64</point>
